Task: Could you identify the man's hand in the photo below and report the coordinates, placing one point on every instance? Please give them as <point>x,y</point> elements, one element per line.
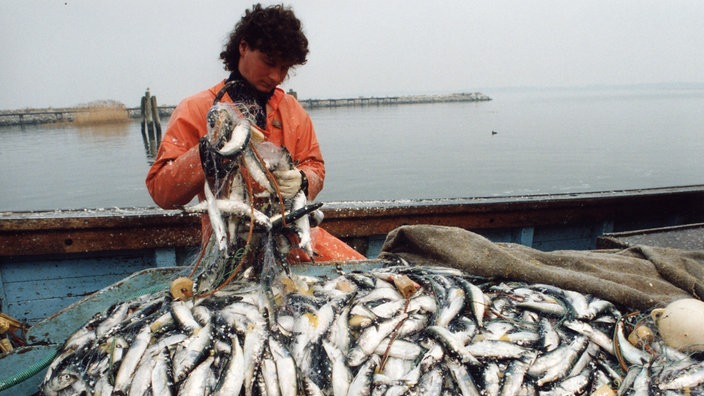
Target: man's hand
<point>290,182</point>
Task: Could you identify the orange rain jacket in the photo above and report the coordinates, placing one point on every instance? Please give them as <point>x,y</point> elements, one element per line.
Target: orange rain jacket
<point>177,175</point>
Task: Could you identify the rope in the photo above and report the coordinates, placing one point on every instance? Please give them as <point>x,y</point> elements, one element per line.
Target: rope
<point>29,372</point>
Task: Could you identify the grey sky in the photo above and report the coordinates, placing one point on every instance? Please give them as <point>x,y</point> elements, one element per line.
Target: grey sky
<point>64,53</point>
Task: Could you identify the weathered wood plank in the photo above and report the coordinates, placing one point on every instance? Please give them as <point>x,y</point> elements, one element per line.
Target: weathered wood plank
<point>36,233</point>
<point>62,287</point>
<point>34,311</point>
<point>35,288</point>
<point>552,238</point>
<point>48,269</point>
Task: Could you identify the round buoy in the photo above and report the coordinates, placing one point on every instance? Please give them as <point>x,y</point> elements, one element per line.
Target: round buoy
<point>680,324</point>
<point>182,288</point>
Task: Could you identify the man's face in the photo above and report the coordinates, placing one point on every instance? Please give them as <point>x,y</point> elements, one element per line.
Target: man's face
<point>260,70</point>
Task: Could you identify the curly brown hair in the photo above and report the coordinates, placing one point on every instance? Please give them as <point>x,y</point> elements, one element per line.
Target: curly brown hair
<point>273,30</point>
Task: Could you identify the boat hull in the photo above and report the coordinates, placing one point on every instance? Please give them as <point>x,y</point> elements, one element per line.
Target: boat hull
<point>49,260</point>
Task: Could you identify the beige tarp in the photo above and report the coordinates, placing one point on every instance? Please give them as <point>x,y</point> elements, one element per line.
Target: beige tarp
<point>640,278</point>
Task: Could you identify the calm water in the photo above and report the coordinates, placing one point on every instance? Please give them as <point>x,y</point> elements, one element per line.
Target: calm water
<point>547,141</point>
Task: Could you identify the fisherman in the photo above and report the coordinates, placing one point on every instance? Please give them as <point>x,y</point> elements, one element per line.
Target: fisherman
<point>263,46</point>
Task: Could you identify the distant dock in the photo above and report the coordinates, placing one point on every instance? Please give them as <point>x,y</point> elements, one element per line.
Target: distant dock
<point>394,100</point>
<point>51,115</point>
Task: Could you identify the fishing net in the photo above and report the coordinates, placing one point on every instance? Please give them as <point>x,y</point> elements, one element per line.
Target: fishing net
<point>253,225</point>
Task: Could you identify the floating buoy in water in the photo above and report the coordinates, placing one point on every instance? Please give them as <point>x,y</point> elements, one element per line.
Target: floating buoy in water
<point>680,324</point>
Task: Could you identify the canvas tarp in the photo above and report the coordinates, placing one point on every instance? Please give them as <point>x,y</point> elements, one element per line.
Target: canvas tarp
<point>639,278</point>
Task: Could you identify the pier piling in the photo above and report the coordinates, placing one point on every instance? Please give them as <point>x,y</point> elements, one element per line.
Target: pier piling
<point>151,125</point>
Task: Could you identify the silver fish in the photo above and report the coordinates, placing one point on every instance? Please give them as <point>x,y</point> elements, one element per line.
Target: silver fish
<point>515,373</point>
<point>463,379</point>
<point>269,375</point>
<point>395,371</point>
<point>431,382</point>
<point>199,380</point>
<point>216,221</point>
<point>627,384</point>
<point>285,367</point>
<point>477,300</point>
<point>399,348</point>
<point>574,385</point>
<point>492,379</point>
<point>688,378</point>
<point>142,378</point>
<point>252,347</point>
<point>257,170</point>
<point>562,367</point>
<point>525,338</point>
<point>182,311</point>
<point>380,293</point>
<point>641,384</point>
<point>61,382</point>
<point>593,334</point>
<point>451,344</point>
<point>308,330</point>
<point>433,355</point>
<point>630,353</point>
<point>489,349</point>
<point>254,342</point>
<point>584,360</point>
<point>117,316</point>
<point>370,339</point>
<point>540,302</point>
<point>310,388</point>
<point>163,323</point>
<point>233,377</point>
<point>302,227</point>
<point>230,207</point>
<point>455,303</point>
<point>239,137</point>
<point>341,374</point>
<point>598,306</point>
<point>103,387</point>
<point>413,324</point>
<point>161,375</point>
<point>339,333</point>
<point>192,352</point>
<point>132,359</point>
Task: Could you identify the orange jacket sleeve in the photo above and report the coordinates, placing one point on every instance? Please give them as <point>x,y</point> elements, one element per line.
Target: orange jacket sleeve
<point>177,175</point>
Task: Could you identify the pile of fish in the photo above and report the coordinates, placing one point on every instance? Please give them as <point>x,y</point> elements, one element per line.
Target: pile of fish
<point>395,330</point>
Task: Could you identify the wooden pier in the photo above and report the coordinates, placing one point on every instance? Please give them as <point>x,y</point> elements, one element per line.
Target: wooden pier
<point>151,125</point>
<point>394,100</point>
<point>39,116</point>
<point>51,115</point>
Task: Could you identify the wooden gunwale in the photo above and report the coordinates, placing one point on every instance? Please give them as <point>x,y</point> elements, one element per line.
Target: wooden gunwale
<point>99,230</point>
